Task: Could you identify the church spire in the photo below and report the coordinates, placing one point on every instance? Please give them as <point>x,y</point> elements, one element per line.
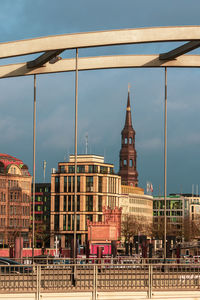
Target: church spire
<point>128,153</point>
<point>128,121</point>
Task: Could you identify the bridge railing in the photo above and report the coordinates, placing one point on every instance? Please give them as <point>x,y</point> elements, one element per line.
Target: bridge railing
<point>105,260</point>
<point>99,278</point>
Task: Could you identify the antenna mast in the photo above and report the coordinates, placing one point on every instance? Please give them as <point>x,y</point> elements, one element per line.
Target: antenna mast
<point>44,168</point>
<point>86,143</point>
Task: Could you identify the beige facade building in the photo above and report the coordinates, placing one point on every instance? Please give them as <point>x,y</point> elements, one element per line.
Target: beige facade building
<point>15,200</point>
<point>97,186</point>
<point>134,202</point>
<point>137,212</point>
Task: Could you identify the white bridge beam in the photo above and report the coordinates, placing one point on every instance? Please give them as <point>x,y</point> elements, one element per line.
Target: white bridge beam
<point>101,38</point>
<point>101,62</point>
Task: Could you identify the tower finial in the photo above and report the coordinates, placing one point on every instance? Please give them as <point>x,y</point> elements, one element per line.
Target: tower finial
<point>129,86</point>
<point>128,100</point>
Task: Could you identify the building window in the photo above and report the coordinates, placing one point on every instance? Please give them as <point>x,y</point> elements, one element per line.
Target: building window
<point>56,222</point>
<point>111,170</point>
<point>11,196</point>
<point>72,222</point>
<point>69,203</point>
<point>70,169</point>
<point>99,203</point>
<point>69,184</point>
<point>130,163</point>
<point>78,183</point>
<point>89,203</point>
<point>57,184</point>
<point>62,169</point>
<point>73,203</point>
<point>80,169</point>
<point>65,184</point>
<point>64,222</point>
<point>65,203</point>
<point>69,222</point>
<point>100,184</point>
<point>103,170</point>
<point>77,222</point>
<point>89,183</point>
<point>78,202</point>
<point>73,188</point>
<point>57,203</point>
<point>11,210</point>
<point>125,162</point>
<point>11,222</point>
<point>92,169</point>
<point>130,140</point>
<point>99,218</point>
<point>125,140</point>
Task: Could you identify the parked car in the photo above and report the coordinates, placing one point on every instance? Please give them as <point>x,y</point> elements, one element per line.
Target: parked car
<point>11,266</point>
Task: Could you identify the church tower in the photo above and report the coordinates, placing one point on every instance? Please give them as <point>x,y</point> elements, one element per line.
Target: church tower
<point>128,153</point>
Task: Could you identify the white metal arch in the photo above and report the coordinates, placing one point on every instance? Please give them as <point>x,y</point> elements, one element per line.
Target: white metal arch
<point>101,62</point>
<point>53,45</point>
<point>101,38</point>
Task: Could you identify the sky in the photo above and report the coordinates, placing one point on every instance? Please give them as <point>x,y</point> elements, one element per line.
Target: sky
<point>102,94</point>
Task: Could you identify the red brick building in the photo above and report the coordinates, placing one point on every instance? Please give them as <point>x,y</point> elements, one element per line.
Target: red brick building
<point>102,234</point>
<point>15,200</point>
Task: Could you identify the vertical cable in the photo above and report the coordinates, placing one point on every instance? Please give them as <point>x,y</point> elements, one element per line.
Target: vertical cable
<point>34,129</point>
<point>75,157</point>
<point>165,166</point>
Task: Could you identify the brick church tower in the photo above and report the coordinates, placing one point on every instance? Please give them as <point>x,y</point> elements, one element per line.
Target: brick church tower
<point>128,153</point>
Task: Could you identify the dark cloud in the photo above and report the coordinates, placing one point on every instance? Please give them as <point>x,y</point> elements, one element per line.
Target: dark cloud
<point>103,94</point>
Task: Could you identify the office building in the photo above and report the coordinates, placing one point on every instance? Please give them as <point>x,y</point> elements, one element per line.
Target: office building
<point>97,187</point>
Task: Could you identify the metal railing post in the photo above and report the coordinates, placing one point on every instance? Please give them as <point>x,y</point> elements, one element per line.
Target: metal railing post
<point>94,295</point>
<point>150,281</point>
<point>38,282</point>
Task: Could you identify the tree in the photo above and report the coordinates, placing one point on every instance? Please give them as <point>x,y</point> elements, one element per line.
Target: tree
<point>135,225</point>
<point>42,234</point>
<point>192,228</point>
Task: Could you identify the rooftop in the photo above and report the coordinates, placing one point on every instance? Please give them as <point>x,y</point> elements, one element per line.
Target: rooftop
<point>7,160</point>
<point>87,158</point>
